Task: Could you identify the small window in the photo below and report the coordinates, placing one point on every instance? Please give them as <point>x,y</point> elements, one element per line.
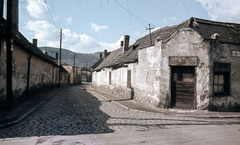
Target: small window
<point>221,80</point>
<point>129,78</point>
<point>110,78</point>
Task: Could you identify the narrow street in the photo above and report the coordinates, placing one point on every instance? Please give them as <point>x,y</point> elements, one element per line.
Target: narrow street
<point>74,116</point>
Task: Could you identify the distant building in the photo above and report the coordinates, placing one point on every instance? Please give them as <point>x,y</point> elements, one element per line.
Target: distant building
<point>192,65</point>
<point>74,74</point>
<point>63,71</point>
<point>86,74</point>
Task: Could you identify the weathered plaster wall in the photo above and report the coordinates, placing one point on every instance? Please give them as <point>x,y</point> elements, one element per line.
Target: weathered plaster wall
<point>113,81</point>
<point>101,78</point>
<point>151,76</point>
<point>224,53</point>
<point>186,42</point>
<point>146,76</point>
<point>42,73</point>
<point>19,76</point>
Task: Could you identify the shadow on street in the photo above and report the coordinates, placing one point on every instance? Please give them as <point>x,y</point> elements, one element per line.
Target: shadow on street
<point>72,111</point>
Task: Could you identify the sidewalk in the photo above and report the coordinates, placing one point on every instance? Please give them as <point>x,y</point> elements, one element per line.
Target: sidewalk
<point>24,108</point>
<point>138,106</point>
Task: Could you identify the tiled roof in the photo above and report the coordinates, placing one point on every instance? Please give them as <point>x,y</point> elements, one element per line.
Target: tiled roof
<point>108,61</point>
<point>229,33</point>
<point>20,40</point>
<point>117,58</point>
<point>27,46</point>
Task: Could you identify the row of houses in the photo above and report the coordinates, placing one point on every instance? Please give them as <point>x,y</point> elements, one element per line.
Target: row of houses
<point>192,65</point>
<point>32,70</point>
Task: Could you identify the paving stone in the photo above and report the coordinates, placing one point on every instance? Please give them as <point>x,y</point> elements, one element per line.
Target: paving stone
<point>73,111</point>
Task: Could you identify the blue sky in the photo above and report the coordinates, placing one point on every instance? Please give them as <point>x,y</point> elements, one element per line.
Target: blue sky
<point>94,25</point>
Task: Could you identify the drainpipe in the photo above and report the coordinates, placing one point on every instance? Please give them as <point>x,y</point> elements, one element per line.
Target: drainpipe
<point>52,75</point>
<point>9,42</point>
<point>28,72</point>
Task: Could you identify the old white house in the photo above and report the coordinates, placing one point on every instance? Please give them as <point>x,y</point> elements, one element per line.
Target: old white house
<point>192,65</point>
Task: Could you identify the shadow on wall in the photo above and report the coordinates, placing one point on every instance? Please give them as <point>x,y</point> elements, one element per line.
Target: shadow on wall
<point>72,111</point>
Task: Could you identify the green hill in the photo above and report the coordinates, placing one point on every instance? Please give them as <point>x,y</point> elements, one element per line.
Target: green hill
<point>81,59</point>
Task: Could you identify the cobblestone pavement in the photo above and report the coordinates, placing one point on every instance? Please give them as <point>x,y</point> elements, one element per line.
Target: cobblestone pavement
<point>73,111</point>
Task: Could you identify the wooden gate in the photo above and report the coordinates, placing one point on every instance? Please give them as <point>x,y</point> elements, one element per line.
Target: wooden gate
<point>183,87</point>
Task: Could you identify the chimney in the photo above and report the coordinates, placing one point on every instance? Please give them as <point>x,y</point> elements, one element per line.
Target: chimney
<point>125,43</point>
<point>56,55</point>
<point>34,42</point>
<point>105,53</point>
<point>100,55</point>
<point>15,16</point>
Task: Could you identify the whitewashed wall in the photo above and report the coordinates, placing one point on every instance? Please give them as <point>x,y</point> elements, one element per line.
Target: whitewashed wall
<point>187,42</point>
<point>151,76</point>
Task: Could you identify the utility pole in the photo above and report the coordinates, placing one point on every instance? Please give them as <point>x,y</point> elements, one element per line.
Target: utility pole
<point>150,28</point>
<point>60,57</point>
<point>74,64</point>
<point>1,20</point>
<point>9,55</point>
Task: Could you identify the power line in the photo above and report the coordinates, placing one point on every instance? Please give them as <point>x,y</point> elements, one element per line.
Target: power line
<point>54,9</point>
<point>136,17</point>
<point>54,14</point>
<point>49,17</point>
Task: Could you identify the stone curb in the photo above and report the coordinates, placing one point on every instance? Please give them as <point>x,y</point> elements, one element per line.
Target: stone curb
<point>162,113</point>
<point>14,122</point>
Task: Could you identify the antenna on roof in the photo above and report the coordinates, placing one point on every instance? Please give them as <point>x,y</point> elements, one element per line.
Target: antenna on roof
<point>150,28</point>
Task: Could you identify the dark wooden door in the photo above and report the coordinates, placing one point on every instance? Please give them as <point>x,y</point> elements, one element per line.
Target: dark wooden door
<point>183,87</point>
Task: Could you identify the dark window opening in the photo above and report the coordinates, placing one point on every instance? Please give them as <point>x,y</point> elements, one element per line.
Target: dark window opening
<point>221,80</point>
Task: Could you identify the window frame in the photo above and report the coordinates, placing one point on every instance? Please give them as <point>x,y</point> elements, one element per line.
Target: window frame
<point>223,69</point>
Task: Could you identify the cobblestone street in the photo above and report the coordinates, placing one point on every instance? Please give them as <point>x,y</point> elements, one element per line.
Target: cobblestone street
<point>74,111</point>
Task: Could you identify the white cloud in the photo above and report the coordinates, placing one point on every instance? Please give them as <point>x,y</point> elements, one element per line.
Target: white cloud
<point>43,30</point>
<point>69,19</point>
<point>47,34</point>
<point>222,10</point>
<point>96,27</point>
<point>37,8</point>
<point>84,43</point>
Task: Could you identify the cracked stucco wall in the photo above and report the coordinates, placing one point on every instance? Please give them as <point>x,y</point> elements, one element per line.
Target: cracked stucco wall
<point>147,77</point>
<point>227,53</point>
<point>187,42</point>
<point>113,81</point>
<point>42,73</point>
<point>151,76</point>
